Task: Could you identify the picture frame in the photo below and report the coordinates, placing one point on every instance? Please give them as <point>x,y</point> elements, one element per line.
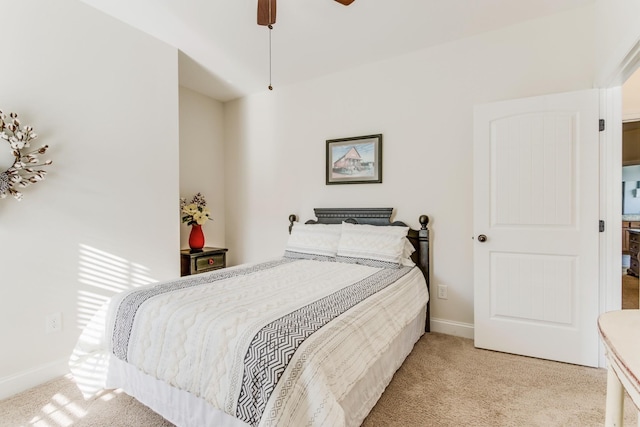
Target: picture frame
<point>355,160</point>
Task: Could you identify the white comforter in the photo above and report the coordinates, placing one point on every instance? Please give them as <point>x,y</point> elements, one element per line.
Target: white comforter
<point>195,336</point>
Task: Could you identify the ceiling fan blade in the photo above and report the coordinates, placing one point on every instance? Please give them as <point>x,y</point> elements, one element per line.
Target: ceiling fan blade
<point>345,2</point>
<point>267,12</point>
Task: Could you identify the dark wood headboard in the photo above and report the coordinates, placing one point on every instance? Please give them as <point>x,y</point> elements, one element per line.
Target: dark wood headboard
<point>380,216</point>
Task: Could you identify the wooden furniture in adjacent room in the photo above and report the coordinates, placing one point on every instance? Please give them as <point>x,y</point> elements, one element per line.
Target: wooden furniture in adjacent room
<point>631,143</point>
<point>207,259</point>
<point>626,226</point>
<point>634,249</point>
<point>619,331</point>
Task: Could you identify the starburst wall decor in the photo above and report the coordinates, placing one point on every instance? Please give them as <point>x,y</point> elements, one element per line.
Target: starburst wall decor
<point>25,169</point>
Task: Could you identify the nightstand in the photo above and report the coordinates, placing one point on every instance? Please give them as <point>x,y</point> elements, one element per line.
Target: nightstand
<point>207,259</point>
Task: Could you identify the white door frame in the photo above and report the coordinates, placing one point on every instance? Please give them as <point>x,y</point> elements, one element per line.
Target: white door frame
<point>611,185</point>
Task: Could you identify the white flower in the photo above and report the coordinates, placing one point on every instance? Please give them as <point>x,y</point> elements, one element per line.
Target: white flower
<point>191,209</point>
<point>202,216</point>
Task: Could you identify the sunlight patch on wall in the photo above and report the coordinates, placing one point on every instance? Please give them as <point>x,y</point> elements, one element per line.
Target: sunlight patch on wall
<point>88,304</point>
<point>103,275</point>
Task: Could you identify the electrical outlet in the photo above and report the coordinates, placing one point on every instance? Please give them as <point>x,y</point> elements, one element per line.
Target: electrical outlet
<point>443,292</point>
<point>53,323</point>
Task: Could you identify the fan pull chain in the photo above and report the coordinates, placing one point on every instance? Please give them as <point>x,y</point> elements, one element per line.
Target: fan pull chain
<point>270,28</point>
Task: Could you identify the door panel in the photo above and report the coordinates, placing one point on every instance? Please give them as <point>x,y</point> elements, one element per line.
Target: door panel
<point>533,169</point>
<point>533,288</point>
<point>536,200</point>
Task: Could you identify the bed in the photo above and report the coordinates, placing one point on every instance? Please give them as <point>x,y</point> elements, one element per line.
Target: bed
<point>312,338</point>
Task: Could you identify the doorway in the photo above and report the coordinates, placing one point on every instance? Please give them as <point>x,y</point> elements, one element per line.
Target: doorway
<point>631,192</point>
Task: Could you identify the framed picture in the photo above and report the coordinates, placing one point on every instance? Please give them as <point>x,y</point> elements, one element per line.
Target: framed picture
<point>356,160</point>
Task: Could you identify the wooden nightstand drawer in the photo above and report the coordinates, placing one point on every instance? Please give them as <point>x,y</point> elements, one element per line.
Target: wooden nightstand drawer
<point>208,259</point>
<point>210,262</point>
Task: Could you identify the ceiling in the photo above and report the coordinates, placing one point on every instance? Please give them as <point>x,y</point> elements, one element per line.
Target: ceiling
<point>225,54</point>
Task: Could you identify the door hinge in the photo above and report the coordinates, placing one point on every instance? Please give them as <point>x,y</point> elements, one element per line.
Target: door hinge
<point>601,125</point>
<point>601,226</point>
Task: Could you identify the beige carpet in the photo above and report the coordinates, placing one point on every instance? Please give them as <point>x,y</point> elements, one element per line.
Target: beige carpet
<point>444,382</point>
<point>629,292</point>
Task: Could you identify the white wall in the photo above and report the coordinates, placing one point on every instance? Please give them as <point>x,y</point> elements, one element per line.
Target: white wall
<point>618,33</point>
<point>422,103</point>
<point>202,161</point>
<point>104,97</point>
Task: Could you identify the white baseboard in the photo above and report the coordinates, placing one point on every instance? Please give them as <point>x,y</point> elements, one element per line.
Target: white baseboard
<point>25,380</point>
<point>450,327</point>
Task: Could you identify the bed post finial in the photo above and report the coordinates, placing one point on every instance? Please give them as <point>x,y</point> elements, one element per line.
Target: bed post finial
<point>424,220</point>
<point>292,218</point>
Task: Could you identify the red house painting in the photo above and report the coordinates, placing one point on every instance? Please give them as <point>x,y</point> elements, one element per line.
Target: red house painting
<point>349,163</point>
<point>354,160</point>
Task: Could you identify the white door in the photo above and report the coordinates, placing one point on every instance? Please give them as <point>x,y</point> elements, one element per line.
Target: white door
<point>536,226</point>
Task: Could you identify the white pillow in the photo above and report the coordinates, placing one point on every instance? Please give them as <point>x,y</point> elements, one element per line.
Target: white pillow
<point>406,254</point>
<point>372,244</point>
<point>311,240</point>
<point>407,249</point>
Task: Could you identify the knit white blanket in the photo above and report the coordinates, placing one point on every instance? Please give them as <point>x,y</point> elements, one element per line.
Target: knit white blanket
<point>272,344</point>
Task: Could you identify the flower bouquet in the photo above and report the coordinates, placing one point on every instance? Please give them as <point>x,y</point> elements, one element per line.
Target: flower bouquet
<point>195,212</point>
